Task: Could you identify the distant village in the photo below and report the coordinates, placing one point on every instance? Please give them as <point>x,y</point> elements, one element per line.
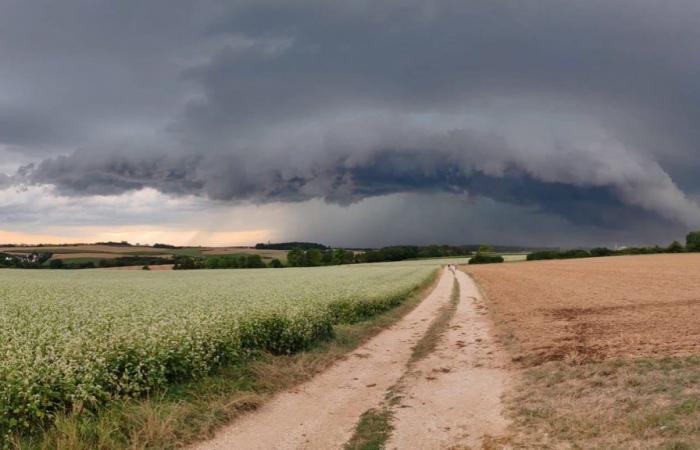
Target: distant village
<point>24,259</point>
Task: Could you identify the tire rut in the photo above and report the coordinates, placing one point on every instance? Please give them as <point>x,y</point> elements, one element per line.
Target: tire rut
<point>452,397</point>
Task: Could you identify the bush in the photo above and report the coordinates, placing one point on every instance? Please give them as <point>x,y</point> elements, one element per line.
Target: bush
<point>188,263</point>
<point>254,262</point>
<point>675,247</point>
<point>56,264</point>
<point>554,254</point>
<point>547,254</point>
<point>602,251</point>
<point>485,259</point>
<point>692,241</point>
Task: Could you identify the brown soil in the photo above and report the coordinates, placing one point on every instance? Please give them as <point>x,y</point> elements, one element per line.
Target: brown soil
<point>322,413</point>
<point>452,398</point>
<point>593,309</point>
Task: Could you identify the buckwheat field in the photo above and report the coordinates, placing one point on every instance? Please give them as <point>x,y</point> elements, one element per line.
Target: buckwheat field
<point>71,340</point>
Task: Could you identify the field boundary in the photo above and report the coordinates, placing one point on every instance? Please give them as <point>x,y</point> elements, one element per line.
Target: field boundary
<point>503,333</point>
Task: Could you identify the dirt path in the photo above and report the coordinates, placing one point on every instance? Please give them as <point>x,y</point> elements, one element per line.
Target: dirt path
<point>452,398</point>
<point>322,413</point>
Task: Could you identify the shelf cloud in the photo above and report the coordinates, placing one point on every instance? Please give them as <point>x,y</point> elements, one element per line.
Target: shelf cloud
<point>583,112</point>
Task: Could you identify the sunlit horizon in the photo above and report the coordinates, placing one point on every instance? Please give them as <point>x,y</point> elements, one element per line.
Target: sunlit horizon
<point>139,235</point>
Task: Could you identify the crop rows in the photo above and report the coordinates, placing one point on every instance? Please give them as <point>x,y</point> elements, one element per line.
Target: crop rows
<point>72,340</point>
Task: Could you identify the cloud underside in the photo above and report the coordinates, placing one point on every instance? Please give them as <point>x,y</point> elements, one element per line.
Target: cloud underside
<point>585,186</point>
<point>581,111</point>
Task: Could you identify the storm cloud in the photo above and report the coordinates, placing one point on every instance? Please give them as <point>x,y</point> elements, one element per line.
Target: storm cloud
<point>582,111</point>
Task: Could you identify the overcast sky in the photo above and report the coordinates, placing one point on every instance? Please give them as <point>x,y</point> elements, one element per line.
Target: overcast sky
<point>356,123</point>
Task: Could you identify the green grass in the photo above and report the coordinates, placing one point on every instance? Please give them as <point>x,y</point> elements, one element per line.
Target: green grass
<point>187,251</point>
<point>373,430</point>
<point>427,344</point>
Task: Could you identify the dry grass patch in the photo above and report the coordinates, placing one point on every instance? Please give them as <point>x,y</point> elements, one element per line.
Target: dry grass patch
<point>639,403</point>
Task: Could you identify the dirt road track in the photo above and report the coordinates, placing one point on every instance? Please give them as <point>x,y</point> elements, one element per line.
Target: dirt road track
<point>322,413</point>
<point>452,396</point>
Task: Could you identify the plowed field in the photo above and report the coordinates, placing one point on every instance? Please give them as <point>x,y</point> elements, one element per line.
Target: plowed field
<point>596,308</point>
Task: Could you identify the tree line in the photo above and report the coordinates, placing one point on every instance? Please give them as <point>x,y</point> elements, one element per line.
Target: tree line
<point>224,262</point>
<point>692,244</point>
<point>291,246</point>
<point>313,257</point>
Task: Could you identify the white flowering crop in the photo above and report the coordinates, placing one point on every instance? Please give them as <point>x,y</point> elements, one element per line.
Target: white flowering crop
<point>73,339</point>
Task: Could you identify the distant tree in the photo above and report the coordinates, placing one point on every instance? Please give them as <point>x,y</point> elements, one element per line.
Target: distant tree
<point>188,263</point>
<point>213,263</point>
<point>313,258</point>
<point>692,241</point>
<point>296,257</point>
<point>159,245</point>
<point>56,264</point>
<point>432,251</point>
<point>291,246</point>
<point>602,251</point>
<point>675,247</point>
<point>485,249</point>
<point>481,258</point>
<point>327,258</point>
<point>342,256</point>
<point>145,268</point>
<point>254,262</point>
<point>276,264</point>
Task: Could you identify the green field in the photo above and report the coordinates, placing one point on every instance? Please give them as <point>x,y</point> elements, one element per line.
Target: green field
<point>83,338</point>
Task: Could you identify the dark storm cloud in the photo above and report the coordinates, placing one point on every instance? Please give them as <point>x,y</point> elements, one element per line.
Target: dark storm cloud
<point>582,110</point>
<point>5,181</point>
<point>28,128</point>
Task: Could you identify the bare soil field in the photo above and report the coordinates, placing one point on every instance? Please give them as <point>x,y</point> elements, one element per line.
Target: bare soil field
<point>609,350</point>
<point>596,308</point>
